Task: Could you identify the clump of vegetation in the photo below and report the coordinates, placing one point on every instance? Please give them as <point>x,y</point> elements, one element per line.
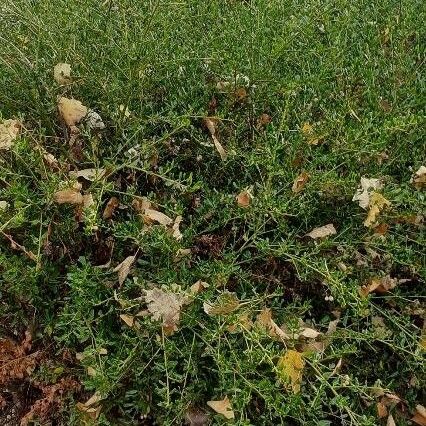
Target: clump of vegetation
<point>212,212</point>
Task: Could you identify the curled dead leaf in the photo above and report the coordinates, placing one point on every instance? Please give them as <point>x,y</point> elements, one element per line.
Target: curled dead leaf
<point>390,421</point>
<point>377,204</point>
<point>198,287</point>
<point>244,199</point>
<point>156,216</point>
<point>420,415</point>
<point>264,321</point>
<point>62,73</point>
<point>71,111</point>
<point>175,228</point>
<point>379,285</point>
<point>128,319</point>
<point>419,178</point>
<point>300,182</point>
<point>223,407</point>
<point>123,269</point>
<point>289,369</point>
<point>88,174</point>
<point>382,411</point>
<point>112,204</point>
<point>225,303</point>
<point>322,231</point>
<point>211,127</point>
<point>9,131</point>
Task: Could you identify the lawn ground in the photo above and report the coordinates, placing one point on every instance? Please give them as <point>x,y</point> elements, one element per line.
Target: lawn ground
<point>158,267</point>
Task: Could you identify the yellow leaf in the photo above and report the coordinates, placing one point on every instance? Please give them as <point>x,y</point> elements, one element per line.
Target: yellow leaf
<point>225,304</point>
<point>222,407</point>
<point>72,111</point>
<point>9,130</point>
<point>62,73</point>
<point>377,204</point>
<point>300,182</point>
<point>290,367</point>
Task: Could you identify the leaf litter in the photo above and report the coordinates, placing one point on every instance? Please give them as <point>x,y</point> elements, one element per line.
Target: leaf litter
<point>222,407</point>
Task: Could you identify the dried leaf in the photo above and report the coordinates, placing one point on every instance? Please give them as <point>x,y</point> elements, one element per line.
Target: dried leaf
<point>309,333</point>
<point>382,411</point>
<point>377,204</point>
<point>9,130</point>
<point>158,217</point>
<point>3,205</point>
<point>91,371</point>
<point>309,134</point>
<point>222,407</point>
<point>112,204</point>
<point>226,303</point>
<point>123,269</point>
<point>68,196</point>
<point>419,178</point>
<point>244,199</point>
<point>362,194</point>
<point>265,321</point>
<point>196,417</point>
<point>198,287</point>
<point>175,228</point>
<point>322,231</point>
<point>420,415</point>
<point>390,421</point>
<point>140,204</point>
<point>165,307</point>
<point>94,121</point>
<point>211,127</point>
<point>88,174</point>
<point>62,73</point>
<point>243,323</point>
<point>94,399</point>
<point>72,111</point>
<point>290,366</point>
<point>128,319</point>
<point>300,182</point>
<point>379,285</point>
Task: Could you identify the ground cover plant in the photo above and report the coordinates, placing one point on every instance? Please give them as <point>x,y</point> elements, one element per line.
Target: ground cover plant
<point>212,212</point>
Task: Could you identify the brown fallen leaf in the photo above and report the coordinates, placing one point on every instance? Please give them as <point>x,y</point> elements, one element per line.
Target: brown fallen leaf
<point>309,333</point>
<point>198,287</point>
<point>88,201</point>
<point>128,319</point>
<point>68,196</point>
<point>420,415</point>
<point>15,246</point>
<point>225,303</point>
<point>112,204</point>
<point>300,182</point>
<point>62,73</point>
<point>123,269</point>
<point>289,369</point>
<point>367,186</point>
<point>382,411</point>
<point>322,231</point>
<point>244,199</point>
<point>377,204</point>
<point>9,131</point>
<point>264,320</point>
<point>94,399</point>
<point>175,228</point>
<point>390,421</point>
<point>263,120</point>
<point>156,216</point>
<point>194,416</point>
<point>211,127</point>
<point>419,178</point>
<point>71,111</point>
<point>88,174</point>
<point>379,285</point>
<point>91,412</point>
<point>243,323</point>
<point>223,407</point>
<point>165,306</point>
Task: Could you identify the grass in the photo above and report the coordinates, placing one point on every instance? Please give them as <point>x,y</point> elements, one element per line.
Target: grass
<point>353,70</point>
